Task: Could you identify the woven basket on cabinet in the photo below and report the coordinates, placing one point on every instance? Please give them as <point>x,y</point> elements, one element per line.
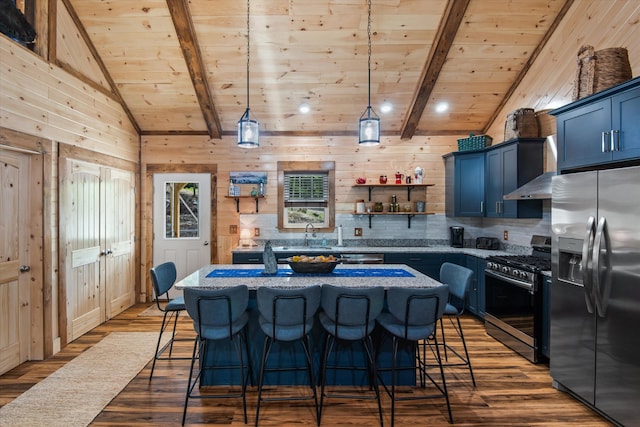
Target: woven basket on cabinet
<point>521,123</point>
<point>600,69</point>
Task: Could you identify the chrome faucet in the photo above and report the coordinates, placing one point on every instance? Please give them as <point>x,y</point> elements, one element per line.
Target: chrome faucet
<point>306,230</point>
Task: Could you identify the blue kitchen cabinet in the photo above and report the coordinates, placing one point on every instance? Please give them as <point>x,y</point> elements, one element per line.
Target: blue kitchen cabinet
<point>476,298</point>
<point>425,263</point>
<point>247,258</point>
<point>477,181</point>
<point>600,129</point>
<point>510,165</point>
<point>469,186</point>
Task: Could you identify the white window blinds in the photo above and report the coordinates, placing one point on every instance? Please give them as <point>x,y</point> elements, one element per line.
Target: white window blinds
<point>306,187</point>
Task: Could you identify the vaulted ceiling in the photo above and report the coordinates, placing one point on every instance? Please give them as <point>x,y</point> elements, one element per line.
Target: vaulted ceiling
<point>180,67</point>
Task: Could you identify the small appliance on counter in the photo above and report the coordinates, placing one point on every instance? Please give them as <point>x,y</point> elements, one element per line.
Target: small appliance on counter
<point>491,243</point>
<point>457,236</point>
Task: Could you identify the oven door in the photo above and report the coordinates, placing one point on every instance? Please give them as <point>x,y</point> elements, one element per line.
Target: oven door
<point>513,314</point>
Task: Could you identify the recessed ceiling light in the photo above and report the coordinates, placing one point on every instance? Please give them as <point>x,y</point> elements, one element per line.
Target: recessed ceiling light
<point>386,107</point>
<point>304,108</point>
<point>441,107</point>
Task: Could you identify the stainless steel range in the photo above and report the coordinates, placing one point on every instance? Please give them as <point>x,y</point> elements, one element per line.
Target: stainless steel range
<point>514,298</point>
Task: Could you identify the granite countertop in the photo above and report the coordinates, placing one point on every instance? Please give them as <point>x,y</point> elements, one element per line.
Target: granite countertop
<point>414,278</point>
<point>480,253</point>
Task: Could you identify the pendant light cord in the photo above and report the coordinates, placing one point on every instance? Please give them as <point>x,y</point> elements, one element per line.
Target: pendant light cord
<point>369,51</point>
<point>248,49</point>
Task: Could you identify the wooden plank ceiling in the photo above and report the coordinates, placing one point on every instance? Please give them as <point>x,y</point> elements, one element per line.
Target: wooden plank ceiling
<point>180,67</point>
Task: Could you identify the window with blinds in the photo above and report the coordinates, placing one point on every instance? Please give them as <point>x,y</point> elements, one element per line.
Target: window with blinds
<point>306,195</point>
<point>306,187</point>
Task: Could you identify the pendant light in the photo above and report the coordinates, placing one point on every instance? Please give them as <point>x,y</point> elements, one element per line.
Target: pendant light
<point>369,123</point>
<point>248,128</point>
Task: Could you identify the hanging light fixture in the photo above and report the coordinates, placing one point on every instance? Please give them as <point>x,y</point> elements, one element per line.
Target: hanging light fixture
<point>248,128</point>
<point>369,123</point>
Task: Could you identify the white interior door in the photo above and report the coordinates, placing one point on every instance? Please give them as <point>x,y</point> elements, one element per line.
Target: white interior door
<point>182,221</point>
<point>14,285</point>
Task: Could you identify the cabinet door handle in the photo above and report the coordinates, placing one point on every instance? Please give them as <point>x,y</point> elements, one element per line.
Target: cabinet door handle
<point>481,207</point>
<point>605,144</point>
<point>497,207</point>
<point>615,140</point>
<point>612,146</point>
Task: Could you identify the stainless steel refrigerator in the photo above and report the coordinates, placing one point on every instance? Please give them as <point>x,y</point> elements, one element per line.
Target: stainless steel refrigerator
<point>595,296</point>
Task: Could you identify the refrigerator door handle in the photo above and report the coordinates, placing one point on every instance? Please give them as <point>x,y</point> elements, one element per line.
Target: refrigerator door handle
<point>587,249</point>
<point>601,261</point>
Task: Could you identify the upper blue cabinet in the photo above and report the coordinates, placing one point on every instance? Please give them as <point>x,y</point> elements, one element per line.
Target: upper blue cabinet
<point>476,181</point>
<point>601,129</point>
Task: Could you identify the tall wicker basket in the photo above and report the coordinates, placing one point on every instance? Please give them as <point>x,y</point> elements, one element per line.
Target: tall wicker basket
<point>521,123</point>
<point>600,69</point>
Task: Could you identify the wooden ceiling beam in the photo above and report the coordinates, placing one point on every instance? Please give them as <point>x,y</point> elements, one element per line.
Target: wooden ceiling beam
<point>514,85</point>
<point>190,49</point>
<point>451,20</point>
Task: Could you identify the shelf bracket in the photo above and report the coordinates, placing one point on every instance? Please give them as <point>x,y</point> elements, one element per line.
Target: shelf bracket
<point>409,220</point>
<point>370,216</point>
<point>370,188</point>
<point>409,192</point>
<point>237,199</point>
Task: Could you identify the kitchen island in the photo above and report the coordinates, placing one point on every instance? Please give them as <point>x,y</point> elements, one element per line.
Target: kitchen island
<point>229,275</point>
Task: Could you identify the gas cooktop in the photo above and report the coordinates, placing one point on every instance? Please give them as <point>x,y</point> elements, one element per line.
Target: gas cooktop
<point>524,262</point>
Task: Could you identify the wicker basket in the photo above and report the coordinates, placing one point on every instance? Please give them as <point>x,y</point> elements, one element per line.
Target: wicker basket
<point>546,123</point>
<point>521,123</point>
<point>599,70</point>
<point>474,142</point>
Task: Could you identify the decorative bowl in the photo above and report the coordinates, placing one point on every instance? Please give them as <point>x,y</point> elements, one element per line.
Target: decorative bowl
<point>310,265</point>
<point>361,180</point>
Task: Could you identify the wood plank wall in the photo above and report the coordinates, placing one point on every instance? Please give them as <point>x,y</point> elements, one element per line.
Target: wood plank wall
<point>549,82</point>
<point>41,99</point>
<point>352,161</point>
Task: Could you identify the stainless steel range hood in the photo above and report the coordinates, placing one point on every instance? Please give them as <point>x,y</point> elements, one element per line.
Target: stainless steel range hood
<point>538,188</point>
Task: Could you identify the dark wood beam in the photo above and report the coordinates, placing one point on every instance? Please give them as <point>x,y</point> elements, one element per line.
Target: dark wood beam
<point>96,56</point>
<point>529,63</point>
<point>451,20</point>
<point>183,24</point>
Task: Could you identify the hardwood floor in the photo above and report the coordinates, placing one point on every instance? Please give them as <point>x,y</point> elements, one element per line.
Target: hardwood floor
<point>510,391</point>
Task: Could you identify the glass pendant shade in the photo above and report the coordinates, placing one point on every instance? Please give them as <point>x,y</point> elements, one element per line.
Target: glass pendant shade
<point>369,128</point>
<point>248,131</point>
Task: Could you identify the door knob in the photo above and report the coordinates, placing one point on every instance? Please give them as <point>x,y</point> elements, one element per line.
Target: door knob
<point>24,268</point>
<point>206,243</point>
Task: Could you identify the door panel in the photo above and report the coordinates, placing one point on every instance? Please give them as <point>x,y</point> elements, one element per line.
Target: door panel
<point>118,240</point>
<point>80,227</point>
<point>181,230</point>
<point>15,331</point>
<point>618,356</point>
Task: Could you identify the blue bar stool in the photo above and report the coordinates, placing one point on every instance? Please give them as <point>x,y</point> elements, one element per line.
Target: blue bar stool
<point>287,315</point>
<point>218,314</point>
<point>413,315</point>
<point>349,315</point>
<point>163,277</point>
<point>459,280</point>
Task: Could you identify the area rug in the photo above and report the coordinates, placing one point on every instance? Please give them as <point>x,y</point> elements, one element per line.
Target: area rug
<point>152,310</point>
<point>76,393</point>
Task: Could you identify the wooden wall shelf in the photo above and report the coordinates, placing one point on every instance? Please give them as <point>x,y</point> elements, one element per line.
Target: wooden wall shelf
<point>237,199</point>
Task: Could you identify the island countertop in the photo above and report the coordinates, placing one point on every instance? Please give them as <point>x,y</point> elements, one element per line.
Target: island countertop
<point>480,253</point>
<point>287,278</point>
